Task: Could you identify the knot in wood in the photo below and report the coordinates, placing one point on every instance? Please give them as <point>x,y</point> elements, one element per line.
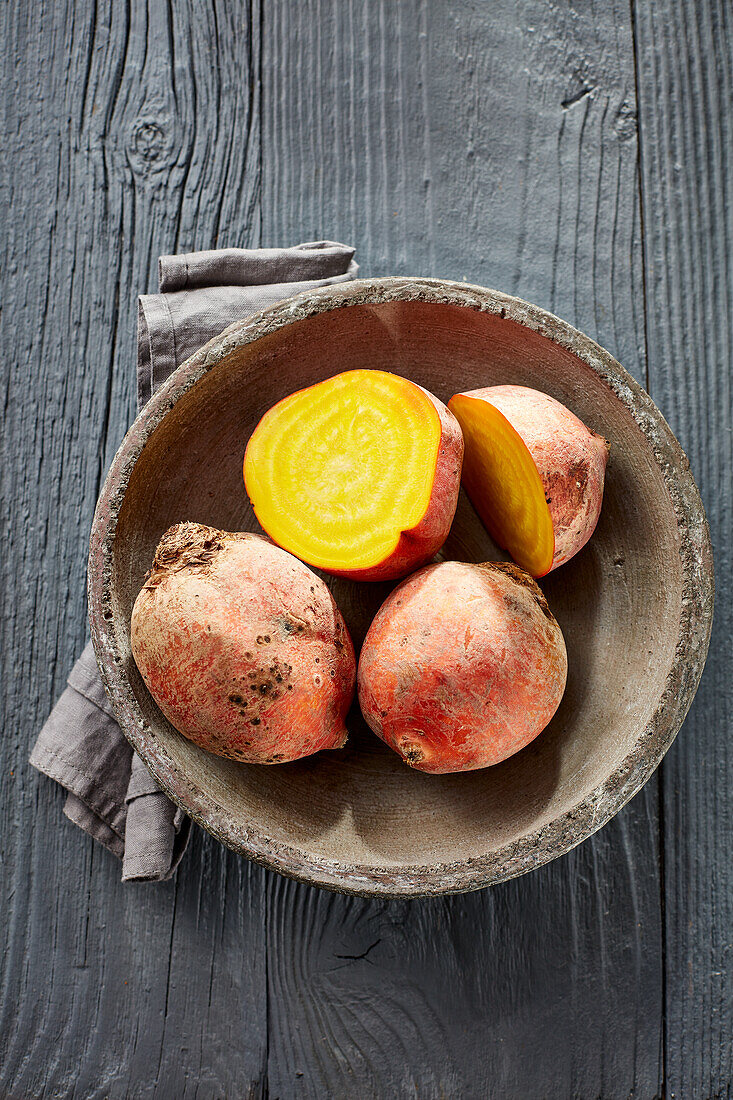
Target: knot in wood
<point>624,125</point>
<point>150,144</point>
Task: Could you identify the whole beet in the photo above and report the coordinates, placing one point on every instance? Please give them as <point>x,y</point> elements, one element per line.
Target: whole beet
<point>462,667</point>
<point>242,647</point>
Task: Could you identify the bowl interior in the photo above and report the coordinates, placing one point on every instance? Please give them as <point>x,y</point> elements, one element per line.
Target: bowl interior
<point>618,602</point>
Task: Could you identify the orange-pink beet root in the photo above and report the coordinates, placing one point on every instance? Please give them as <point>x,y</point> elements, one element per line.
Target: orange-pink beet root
<point>570,459</point>
<point>242,647</point>
<point>462,667</point>
<point>419,545</point>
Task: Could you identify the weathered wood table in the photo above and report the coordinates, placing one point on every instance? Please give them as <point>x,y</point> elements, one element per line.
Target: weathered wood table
<point>579,154</point>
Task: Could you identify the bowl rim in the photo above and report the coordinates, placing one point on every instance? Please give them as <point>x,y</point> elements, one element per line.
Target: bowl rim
<point>546,842</point>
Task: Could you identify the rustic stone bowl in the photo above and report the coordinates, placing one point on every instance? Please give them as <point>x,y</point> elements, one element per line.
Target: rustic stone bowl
<point>635,605</point>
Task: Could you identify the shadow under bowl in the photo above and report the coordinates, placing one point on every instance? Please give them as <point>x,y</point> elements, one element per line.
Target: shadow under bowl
<point>635,605</point>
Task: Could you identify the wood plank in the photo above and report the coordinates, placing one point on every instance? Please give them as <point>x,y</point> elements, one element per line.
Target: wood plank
<point>128,131</point>
<point>497,143</point>
<point>685,67</point>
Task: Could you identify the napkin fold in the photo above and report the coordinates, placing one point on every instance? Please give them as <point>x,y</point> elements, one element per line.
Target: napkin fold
<point>111,794</point>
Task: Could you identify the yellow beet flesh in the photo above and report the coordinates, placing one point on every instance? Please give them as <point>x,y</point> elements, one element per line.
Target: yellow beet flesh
<point>337,472</point>
<point>504,484</point>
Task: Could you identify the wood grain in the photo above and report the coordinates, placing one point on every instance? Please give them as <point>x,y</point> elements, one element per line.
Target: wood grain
<point>685,64</point>
<point>118,139</point>
<point>496,143</point>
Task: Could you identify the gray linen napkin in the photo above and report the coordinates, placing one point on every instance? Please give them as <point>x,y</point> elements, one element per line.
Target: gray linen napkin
<point>111,794</point>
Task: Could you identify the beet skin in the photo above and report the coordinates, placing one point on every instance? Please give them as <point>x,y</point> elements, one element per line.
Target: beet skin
<point>462,667</point>
<point>242,647</point>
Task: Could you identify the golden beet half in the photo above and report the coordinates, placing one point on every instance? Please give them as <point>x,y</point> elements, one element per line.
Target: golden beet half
<point>462,667</point>
<point>534,473</point>
<point>358,475</point>
<point>242,647</point>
